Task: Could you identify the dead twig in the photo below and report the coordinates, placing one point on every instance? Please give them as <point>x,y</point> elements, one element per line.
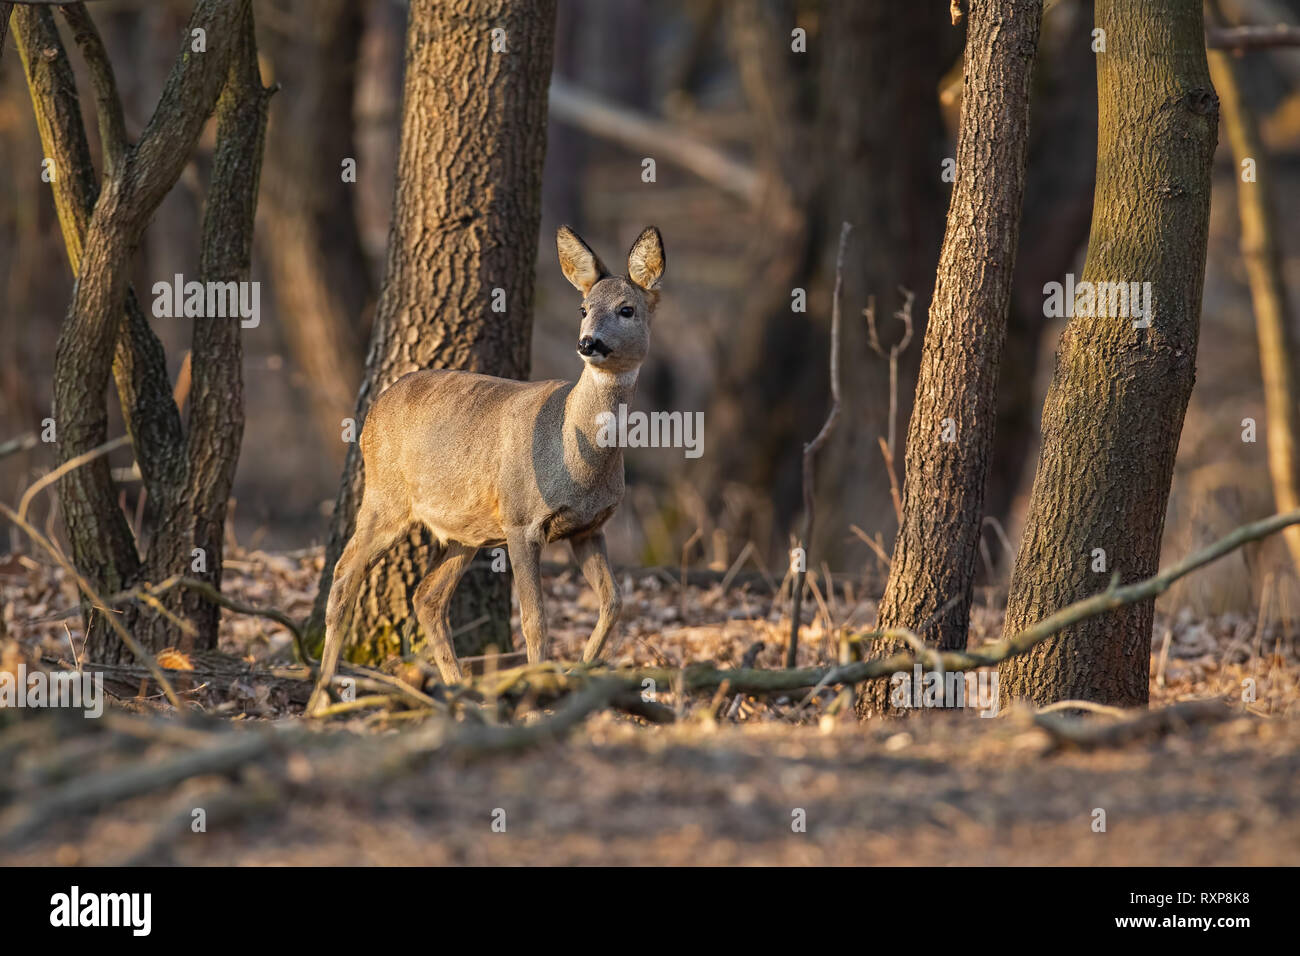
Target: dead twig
<point>150,592</point>
<point>889,447</point>
<point>14,445</point>
<point>67,466</point>
<point>810,452</point>
<point>93,597</point>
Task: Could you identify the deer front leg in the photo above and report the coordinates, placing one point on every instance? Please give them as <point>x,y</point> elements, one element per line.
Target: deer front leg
<point>526,562</point>
<point>592,558</point>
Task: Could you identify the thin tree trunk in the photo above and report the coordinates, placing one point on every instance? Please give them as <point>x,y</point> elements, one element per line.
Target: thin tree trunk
<point>193,527</point>
<point>951,433</point>
<point>1115,409</point>
<point>1279,356</point>
<point>100,246</point>
<point>466,214</point>
<point>139,364</point>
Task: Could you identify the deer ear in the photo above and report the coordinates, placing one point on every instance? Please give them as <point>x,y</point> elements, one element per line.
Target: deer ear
<point>580,265</point>
<point>645,263</point>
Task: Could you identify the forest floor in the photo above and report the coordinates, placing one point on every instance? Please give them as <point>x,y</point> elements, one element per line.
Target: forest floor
<point>758,781</point>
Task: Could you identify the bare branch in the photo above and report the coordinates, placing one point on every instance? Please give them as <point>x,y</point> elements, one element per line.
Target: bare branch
<point>191,91</point>
<point>66,467</point>
<point>108,104</point>
<point>1252,37</point>
<point>810,450</point>
<point>599,117</point>
<point>140,653</point>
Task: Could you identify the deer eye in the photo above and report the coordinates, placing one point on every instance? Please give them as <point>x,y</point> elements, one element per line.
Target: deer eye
<point>582,311</point>
<point>627,311</point>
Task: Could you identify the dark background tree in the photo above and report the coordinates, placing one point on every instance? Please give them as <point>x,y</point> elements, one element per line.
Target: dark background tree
<point>319,271</point>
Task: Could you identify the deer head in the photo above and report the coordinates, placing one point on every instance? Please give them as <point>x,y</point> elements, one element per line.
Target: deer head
<point>614,335</point>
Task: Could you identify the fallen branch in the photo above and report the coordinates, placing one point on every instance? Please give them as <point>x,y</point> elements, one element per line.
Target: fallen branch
<point>91,792</point>
<point>209,591</point>
<point>1084,734</point>
<point>552,680</point>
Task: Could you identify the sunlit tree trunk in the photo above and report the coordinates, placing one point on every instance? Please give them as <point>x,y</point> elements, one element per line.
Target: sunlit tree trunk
<point>1115,409</point>
<point>951,431</point>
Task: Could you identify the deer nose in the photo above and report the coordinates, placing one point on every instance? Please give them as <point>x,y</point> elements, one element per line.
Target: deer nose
<point>589,346</point>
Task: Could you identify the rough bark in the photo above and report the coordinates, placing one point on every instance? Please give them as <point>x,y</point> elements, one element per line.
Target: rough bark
<point>951,432</point>
<point>139,364</point>
<point>1279,353</point>
<point>136,178</point>
<point>319,274</point>
<point>1115,408</point>
<point>197,519</point>
<point>466,213</point>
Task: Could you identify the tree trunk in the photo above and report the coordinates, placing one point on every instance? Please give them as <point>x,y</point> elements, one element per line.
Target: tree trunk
<point>139,363</point>
<point>106,327</point>
<point>1059,178</point>
<point>881,173</point>
<point>1115,408</point>
<point>951,433</point>
<point>886,181</point>
<point>320,279</point>
<point>136,178</point>
<point>194,524</point>
<point>466,214</point>
<point>1278,352</point>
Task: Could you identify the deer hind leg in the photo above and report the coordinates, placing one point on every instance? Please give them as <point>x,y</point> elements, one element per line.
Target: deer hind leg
<point>526,561</point>
<point>592,558</point>
<point>433,605</point>
<point>372,537</point>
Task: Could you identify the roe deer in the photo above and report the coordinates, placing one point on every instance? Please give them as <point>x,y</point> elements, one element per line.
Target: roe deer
<point>483,461</point>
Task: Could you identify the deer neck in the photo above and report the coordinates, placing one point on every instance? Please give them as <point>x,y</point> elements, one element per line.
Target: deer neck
<point>592,404</point>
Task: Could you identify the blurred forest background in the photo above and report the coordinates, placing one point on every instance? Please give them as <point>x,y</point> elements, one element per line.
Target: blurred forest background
<point>759,158</point>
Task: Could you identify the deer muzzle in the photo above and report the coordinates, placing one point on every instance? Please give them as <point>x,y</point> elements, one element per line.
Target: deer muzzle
<point>589,346</point>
